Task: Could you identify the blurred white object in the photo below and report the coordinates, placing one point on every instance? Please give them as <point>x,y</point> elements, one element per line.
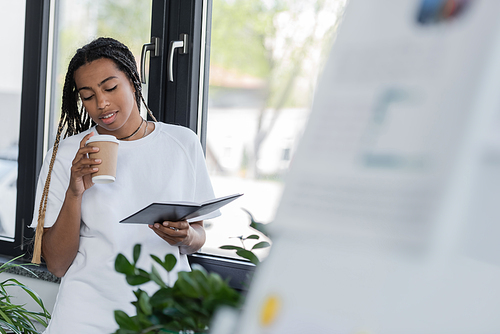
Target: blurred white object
<point>389,218</point>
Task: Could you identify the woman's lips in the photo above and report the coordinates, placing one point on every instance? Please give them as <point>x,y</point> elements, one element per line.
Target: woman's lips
<point>108,118</point>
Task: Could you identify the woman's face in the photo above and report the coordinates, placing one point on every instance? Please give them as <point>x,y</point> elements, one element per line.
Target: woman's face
<point>108,96</point>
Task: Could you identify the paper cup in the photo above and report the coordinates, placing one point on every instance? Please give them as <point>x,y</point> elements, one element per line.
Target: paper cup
<point>108,153</point>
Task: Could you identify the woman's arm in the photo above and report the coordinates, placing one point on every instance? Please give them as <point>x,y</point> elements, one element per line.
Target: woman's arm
<point>190,237</point>
<point>61,241</point>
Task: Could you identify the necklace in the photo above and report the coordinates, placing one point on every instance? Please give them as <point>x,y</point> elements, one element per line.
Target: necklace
<point>140,126</point>
<point>145,130</point>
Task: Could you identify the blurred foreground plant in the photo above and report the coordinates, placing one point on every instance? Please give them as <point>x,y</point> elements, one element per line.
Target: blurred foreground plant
<point>187,306</point>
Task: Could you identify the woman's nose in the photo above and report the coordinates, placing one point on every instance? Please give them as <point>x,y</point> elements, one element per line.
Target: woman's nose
<point>102,101</point>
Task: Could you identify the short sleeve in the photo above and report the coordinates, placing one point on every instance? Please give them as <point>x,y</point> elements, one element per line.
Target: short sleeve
<point>59,179</point>
<point>57,189</point>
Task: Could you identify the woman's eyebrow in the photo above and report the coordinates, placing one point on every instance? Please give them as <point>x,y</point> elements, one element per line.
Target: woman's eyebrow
<point>99,85</point>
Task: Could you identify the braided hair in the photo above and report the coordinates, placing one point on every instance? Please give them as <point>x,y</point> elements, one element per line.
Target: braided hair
<point>74,119</point>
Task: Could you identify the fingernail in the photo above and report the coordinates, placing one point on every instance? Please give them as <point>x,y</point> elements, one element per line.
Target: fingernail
<point>97,160</point>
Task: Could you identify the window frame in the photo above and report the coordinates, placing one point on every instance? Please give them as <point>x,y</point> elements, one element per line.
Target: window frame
<point>179,102</point>
<point>185,101</point>
<point>32,120</point>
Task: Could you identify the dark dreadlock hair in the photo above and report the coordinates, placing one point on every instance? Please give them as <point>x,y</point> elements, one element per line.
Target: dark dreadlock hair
<point>75,120</point>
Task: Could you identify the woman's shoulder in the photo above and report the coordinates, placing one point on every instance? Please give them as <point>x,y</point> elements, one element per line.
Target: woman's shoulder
<point>185,138</point>
<point>177,132</point>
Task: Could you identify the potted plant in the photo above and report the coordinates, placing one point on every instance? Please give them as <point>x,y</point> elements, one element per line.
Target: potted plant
<point>188,306</point>
<point>185,307</point>
<point>16,318</point>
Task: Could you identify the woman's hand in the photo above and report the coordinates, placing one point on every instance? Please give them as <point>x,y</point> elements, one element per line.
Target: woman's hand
<point>188,236</point>
<point>81,170</point>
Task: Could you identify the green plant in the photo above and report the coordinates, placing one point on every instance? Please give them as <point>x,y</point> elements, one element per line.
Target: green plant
<point>248,253</point>
<point>187,306</point>
<point>16,318</point>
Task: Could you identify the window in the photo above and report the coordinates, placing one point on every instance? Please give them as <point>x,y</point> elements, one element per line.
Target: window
<point>97,18</point>
<point>12,32</point>
<point>37,60</point>
<point>262,58</point>
<point>265,59</point>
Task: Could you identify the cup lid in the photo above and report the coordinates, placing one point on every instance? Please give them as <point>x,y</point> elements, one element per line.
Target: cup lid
<point>96,138</point>
<point>103,179</point>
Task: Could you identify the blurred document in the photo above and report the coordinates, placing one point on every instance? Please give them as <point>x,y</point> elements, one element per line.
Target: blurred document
<point>389,218</point>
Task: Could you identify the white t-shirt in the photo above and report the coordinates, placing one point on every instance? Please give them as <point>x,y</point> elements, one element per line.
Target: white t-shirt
<point>166,165</point>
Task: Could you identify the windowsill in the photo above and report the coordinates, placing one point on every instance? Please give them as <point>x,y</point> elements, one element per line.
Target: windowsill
<point>234,269</point>
<point>238,272</point>
<point>37,271</point>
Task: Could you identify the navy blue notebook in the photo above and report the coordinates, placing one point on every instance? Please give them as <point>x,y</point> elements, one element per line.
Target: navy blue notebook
<point>175,211</point>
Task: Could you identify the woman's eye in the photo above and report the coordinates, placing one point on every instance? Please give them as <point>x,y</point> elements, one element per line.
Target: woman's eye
<point>87,98</point>
<point>111,89</point>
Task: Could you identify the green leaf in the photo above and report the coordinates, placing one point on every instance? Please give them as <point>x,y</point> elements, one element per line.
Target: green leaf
<point>262,244</point>
<point>230,247</point>
<point>248,255</point>
<point>170,262</point>
<point>256,225</point>
<point>137,252</point>
<point>141,278</point>
<point>190,322</point>
<point>125,322</point>
<point>201,278</point>
<point>156,277</point>
<point>9,264</point>
<point>6,317</point>
<point>157,259</point>
<point>262,228</point>
<point>253,236</point>
<point>11,282</point>
<point>186,285</point>
<point>122,265</point>
<point>144,304</point>
<point>198,267</point>
<point>8,326</point>
<point>162,298</point>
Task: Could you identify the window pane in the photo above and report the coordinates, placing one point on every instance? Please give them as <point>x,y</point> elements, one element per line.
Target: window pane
<point>78,22</point>
<point>11,72</point>
<point>265,60</point>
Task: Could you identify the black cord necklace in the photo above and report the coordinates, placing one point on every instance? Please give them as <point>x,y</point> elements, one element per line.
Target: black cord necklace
<point>140,126</point>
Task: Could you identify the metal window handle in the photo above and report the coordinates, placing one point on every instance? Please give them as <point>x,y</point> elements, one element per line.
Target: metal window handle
<point>154,47</point>
<point>183,44</point>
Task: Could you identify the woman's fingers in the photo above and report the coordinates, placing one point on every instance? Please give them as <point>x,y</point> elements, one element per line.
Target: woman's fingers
<point>172,232</point>
<point>82,162</point>
<point>176,226</point>
<point>84,150</point>
<point>174,229</point>
<point>83,166</point>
